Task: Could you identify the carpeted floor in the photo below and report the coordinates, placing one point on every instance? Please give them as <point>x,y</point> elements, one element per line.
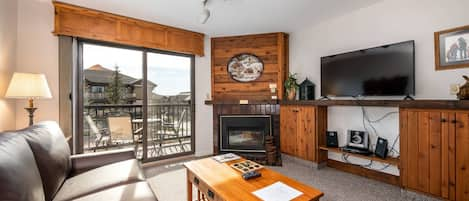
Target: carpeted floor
<point>169,183</point>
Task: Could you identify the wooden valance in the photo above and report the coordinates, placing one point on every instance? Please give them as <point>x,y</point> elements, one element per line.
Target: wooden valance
<point>71,20</point>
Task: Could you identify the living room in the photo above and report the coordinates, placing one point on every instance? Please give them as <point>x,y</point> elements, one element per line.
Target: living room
<point>157,84</point>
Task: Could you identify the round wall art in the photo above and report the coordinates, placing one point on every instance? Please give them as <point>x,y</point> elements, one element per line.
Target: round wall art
<point>245,67</point>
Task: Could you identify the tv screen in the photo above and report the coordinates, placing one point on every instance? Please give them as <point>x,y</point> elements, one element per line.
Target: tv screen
<point>387,70</point>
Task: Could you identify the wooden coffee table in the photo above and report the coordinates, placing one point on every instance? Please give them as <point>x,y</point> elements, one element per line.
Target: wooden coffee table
<point>219,182</point>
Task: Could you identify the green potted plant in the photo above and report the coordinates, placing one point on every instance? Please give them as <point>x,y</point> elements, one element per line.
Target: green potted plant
<point>291,86</point>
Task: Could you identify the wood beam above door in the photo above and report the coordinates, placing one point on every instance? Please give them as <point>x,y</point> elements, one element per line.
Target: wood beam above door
<point>76,21</point>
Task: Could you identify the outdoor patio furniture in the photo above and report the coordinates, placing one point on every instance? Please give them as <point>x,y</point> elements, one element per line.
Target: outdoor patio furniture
<point>160,141</point>
<point>102,135</point>
<point>138,130</point>
<point>170,129</point>
<point>120,129</point>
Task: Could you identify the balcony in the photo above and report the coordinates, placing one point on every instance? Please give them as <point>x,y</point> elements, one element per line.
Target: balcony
<point>169,128</point>
<point>102,96</point>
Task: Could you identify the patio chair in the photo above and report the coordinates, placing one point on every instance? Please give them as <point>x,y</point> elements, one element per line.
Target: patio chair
<point>174,127</point>
<point>120,129</point>
<point>102,135</point>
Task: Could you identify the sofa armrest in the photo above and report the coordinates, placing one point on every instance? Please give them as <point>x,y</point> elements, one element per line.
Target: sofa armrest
<point>84,162</point>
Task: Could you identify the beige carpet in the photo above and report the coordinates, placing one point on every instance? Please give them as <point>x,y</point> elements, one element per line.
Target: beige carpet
<point>169,183</point>
<point>170,186</point>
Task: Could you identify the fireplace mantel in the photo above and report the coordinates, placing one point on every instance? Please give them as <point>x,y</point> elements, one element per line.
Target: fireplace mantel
<point>234,102</point>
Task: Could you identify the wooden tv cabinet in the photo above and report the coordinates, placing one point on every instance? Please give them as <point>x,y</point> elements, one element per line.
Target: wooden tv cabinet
<point>434,142</point>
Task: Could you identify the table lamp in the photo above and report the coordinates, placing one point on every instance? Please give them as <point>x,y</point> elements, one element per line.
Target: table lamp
<point>28,86</point>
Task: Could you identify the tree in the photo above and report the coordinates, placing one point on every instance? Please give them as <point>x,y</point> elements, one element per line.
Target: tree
<point>115,89</point>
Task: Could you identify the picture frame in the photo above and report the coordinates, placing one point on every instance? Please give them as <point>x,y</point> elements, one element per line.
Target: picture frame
<point>245,67</point>
<point>452,49</point>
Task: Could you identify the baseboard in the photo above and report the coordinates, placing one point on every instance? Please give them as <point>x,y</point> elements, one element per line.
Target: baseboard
<point>310,164</point>
<point>364,172</point>
<point>417,195</point>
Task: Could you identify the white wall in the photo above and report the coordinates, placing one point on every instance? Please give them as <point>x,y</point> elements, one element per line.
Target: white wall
<point>203,113</point>
<point>385,22</point>
<point>37,52</point>
<point>8,20</point>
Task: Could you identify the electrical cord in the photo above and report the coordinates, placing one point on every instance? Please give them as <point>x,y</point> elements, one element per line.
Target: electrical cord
<point>345,158</point>
<point>366,119</point>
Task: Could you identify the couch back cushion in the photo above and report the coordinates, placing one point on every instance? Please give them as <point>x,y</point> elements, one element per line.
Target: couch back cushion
<point>52,154</point>
<point>19,176</point>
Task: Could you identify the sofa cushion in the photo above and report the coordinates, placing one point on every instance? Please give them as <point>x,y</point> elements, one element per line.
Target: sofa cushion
<point>52,154</point>
<point>139,191</point>
<point>101,178</point>
<point>19,176</point>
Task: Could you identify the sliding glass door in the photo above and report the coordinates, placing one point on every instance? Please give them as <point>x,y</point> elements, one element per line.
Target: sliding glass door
<point>170,104</point>
<point>133,97</point>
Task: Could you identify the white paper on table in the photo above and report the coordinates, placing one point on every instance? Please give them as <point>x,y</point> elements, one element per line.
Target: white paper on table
<point>277,192</point>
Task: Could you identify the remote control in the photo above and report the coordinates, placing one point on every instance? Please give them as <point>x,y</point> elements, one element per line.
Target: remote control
<point>251,175</point>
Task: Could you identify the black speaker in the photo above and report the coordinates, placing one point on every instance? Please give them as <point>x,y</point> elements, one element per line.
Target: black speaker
<point>331,139</point>
<point>381,148</point>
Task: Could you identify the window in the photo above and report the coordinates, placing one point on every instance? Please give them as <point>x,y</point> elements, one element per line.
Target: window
<point>97,89</point>
<point>136,98</point>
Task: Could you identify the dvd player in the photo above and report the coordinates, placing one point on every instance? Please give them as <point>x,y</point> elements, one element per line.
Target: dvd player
<point>355,150</point>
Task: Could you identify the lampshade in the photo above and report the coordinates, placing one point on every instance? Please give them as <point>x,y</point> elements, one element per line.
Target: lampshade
<point>28,86</point>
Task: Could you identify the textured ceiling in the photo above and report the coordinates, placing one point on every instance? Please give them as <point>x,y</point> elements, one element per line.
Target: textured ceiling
<point>230,17</point>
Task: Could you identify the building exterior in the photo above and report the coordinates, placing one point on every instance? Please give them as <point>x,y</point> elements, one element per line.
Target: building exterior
<point>99,78</point>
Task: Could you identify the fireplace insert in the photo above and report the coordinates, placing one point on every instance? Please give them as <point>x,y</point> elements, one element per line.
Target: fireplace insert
<point>244,133</point>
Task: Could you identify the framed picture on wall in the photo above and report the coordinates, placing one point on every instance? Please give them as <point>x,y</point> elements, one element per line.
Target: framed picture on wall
<point>451,48</point>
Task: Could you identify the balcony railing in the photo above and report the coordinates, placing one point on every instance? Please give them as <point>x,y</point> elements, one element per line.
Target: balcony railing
<point>91,95</point>
<point>159,117</point>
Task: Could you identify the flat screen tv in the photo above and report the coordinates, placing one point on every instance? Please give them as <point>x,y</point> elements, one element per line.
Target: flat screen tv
<point>387,70</point>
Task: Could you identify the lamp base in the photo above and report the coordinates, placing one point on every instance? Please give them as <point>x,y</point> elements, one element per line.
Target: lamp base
<point>31,114</point>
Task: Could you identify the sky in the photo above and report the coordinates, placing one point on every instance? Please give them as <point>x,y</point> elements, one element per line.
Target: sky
<point>170,73</point>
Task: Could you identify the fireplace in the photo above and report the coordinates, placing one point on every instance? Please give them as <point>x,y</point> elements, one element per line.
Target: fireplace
<point>244,133</point>
<point>246,123</point>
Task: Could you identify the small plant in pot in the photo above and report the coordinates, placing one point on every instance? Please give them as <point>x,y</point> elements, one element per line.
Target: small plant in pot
<point>291,86</point>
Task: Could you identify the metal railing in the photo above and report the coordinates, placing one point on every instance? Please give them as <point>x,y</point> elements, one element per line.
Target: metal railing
<point>102,95</point>
<point>160,119</point>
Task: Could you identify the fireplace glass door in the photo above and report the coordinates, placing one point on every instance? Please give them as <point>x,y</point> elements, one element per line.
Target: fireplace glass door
<point>244,133</point>
<point>246,138</point>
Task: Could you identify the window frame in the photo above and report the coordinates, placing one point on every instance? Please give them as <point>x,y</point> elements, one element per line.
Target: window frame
<point>79,107</point>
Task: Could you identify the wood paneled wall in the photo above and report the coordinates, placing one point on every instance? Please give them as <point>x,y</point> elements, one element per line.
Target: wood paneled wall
<point>271,48</point>
<point>87,23</point>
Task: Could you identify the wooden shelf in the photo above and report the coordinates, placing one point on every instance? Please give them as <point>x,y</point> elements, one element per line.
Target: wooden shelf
<point>236,102</point>
<point>426,104</point>
<point>388,160</point>
<point>423,104</point>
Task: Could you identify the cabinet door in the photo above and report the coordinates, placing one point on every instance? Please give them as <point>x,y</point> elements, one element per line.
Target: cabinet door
<point>422,144</point>
<point>448,155</point>
<point>462,156</point>
<point>306,140</point>
<point>288,129</point>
